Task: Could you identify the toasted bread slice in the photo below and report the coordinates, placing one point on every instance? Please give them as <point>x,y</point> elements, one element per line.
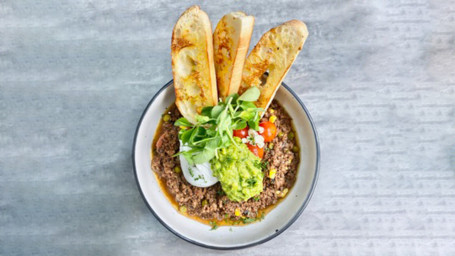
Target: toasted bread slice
<point>273,54</point>
<point>192,63</point>
<point>231,41</point>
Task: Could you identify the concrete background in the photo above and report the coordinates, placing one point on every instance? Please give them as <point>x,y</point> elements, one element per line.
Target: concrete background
<point>377,76</point>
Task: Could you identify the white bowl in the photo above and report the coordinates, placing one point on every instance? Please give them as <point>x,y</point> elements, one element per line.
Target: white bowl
<point>227,237</point>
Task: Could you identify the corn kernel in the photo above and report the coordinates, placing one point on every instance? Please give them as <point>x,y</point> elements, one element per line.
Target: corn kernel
<point>204,203</point>
<point>177,169</point>
<point>271,145</point>
<point>285,191</point>
<point>272,173</point>
<point>271,110</point>
<point>295,149</point>
<point>166,118</point>
<point>237,212</point>
<point>280,134</point>
<point>272,119</point>
<point>182,209</point>
<point>282,193</point>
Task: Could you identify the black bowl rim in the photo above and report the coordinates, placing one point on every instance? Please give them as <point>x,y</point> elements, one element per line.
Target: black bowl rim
<point>268,238</point>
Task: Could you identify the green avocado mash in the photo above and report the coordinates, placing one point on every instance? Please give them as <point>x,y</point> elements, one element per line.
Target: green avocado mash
<point>238,171</point>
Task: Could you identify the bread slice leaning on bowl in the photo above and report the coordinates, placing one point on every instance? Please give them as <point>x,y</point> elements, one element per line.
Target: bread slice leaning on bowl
<point>192,63</point>
<point>231,41</point>
<point>273,54</point>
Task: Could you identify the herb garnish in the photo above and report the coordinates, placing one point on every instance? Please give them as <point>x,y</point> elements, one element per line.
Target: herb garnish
<point>200,177</point>
<point>248,220</point>
<point>214,225</point>
<point>251,182</point>
<point>261,165</point>
<point>214,128</point>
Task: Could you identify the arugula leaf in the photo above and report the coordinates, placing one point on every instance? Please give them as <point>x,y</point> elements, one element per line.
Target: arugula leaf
<point>184,135</point>
<point>247,114</point>
<point>252,94</point>
<point>247,105</point>
<point>206,111</point>
<point>225,141</point>
<point>206,155</point>
<point>253,125</point>
<point>239,124</point>
<point>202,119</point>
<point>233,98</point>
<point>213,144</point>
<point>183,122</point>
<point>196,133</point>
<point>188,156</point>
<point>215,112</point>
<point>211,132</point>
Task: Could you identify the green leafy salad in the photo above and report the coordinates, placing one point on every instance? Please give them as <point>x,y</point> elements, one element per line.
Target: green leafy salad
<point>215,126</point>
<point>211,140</point>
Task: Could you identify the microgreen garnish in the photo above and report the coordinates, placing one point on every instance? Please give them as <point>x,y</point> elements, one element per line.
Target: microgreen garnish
<point>215,125</point>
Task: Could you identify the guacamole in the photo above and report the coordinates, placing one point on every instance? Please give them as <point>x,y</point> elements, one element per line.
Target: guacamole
<point>238,171</point>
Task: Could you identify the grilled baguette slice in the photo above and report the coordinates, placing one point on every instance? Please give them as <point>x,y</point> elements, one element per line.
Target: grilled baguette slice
<point>231,41</point>
<point>192,63</point>
<point>273,54</point>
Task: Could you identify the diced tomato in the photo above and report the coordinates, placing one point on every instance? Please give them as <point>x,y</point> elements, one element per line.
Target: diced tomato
<point>243,133</point>
<point>257,151</point>
<point>269,132</point>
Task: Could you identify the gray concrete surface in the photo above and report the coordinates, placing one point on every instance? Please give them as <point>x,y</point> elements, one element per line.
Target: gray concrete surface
<point>377,76</point>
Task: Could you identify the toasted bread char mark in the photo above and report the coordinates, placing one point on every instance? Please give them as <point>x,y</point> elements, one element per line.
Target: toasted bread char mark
<point>231,41</point>
<point>180,43</point>
<point>274,53</point>
<point>192,63</point>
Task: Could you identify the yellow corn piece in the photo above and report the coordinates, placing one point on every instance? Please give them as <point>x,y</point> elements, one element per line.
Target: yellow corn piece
<point>272,119</point>
<point>271,110</point>
<point>182,209</point>
<point>282,193</point>
<point>177,169</point>
<point>204,202</point>
<point>237,212</point>
<point>272,173</point>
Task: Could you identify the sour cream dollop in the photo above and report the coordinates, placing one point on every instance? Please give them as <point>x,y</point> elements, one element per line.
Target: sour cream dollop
<point>199,175</point>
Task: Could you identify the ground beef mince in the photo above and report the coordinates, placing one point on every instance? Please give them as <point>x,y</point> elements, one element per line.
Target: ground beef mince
<point>211,203</point>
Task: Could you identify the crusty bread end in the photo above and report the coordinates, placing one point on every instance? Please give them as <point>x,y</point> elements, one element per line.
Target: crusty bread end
<point>273,54</point>
<point>231,41</point>
<point>192,63</point>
